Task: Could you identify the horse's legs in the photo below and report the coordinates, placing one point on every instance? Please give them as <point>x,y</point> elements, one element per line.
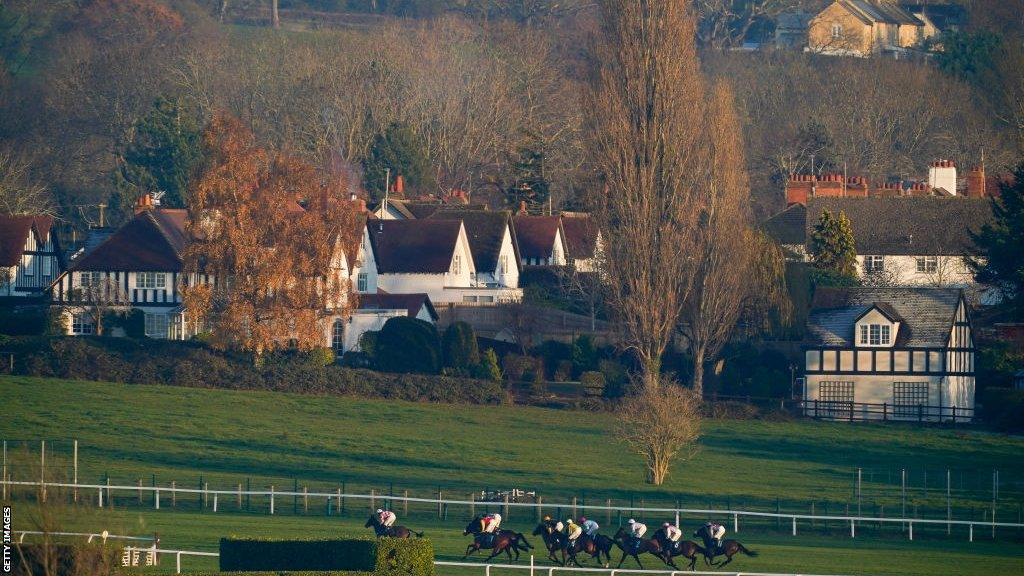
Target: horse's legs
<point>470,549</point>
<point>621,560</point>
<point>728,558</point>
<point>693,561</point>
<point>638,563</point>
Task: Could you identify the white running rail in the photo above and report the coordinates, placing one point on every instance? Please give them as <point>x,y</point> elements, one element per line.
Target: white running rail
<point>554,570</point>
<point>177,554</point>
<point>104,536</point>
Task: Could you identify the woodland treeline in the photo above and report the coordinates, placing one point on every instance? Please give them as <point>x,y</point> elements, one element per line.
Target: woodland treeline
<point>90,89</point>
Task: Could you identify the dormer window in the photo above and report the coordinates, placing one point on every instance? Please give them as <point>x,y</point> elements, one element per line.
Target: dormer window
<point>875,335</point>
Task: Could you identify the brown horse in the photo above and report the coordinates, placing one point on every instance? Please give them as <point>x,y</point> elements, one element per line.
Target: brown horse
<point>632,546</point>
<point>506,541</point>
<point>553,541</point>
<point>729,548</point>
<point>596,546</point>
<point>685,548</point>
<point>390,531</point>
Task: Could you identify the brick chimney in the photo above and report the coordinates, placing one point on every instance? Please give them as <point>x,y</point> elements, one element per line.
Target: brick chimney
<point>144,203</point>
<point>976,182</point>
<point>522,208</point>
<point>799,188</point>
<point>399,187</point>
<point>857,187</point>
<point>942,174</point>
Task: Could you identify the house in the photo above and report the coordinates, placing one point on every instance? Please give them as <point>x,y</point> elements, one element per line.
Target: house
<point>789,230</point>
<point>791,29</point>
<point>864,28</point>
<point>582,241</point>
<point>430,256</point>
<point>942,180</point>
<point>372,312</point>
<point>137,267</point>
<point>889,353</point>
<point>30,255</point>
<point>541,240</point>
<point>937,18</point>
<point>493,244</point>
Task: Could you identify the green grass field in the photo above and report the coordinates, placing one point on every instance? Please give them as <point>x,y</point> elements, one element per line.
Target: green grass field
<point>227,438</point>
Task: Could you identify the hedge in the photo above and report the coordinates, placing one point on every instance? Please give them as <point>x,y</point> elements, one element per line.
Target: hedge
<point>194,365</point>
<point>381,557</point>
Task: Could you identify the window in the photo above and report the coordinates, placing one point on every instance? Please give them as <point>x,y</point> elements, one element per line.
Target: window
<point>927,264</point>
<point>157,325</point>
<point>28,266</point>
<point>82,324</point>
<point>875,334</point>
<point>457,264</point>
<point>907,396</point>
<point>504,264</point>
<point>46,266</point>
<point>90,279</point>
<point>837,31</point>
<point>874,264</point>
<point>556,256</point>
<point>361,282</point>
<point>338,337</point>
<point>836,397</point>
<point>469,298</point>
<point>149,280</point>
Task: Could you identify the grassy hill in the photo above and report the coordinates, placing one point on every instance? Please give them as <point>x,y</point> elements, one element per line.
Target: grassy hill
<point>225,438</point>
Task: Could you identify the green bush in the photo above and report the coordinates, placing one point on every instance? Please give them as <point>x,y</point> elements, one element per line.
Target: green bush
<point>383,557</point>
<point>488,368</point>
<point>408,345</point>
<point>27,321</point>
<point>459,347</point>
<point>594,383</point>
<point>1003,409</point>
<point>192,364</point>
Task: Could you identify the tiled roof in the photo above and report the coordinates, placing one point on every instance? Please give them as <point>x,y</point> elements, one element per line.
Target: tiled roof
<point>536,234</point>
<point>412,303</point>
<point>789,226</point>
<point>911,226</point>
<point>14,231</point>
<point>152,241</point>
<point>580,236</point>
<point>926,313</point>
<point>485,230</point>
<point>885,12</point>
<point>414,246</point>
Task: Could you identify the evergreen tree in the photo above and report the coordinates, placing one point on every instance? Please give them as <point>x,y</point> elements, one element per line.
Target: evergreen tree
<point>408,345</point>
<point>489,367</point>
<point>402,151</point>
<point>832,245</point>
<point>162,155</point>
<point>1001,262</point>
<point>528,182</point>
<point>459,347</point>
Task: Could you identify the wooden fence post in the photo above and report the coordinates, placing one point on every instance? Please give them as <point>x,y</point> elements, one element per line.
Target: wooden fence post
<point>174,494</point>
<point>405,503</point>
<point>239,495</point>
<point>271,499</point>
<point>140,491</point>
<point>608,509</point>
<point>373,499</point>
<point>472,504</point>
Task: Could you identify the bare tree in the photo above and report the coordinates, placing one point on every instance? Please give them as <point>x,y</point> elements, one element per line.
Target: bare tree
<point>20,193</point>
<point>101,297</point>
<point>648,117</point>
<point>662,424</point>
<point>275,18</point>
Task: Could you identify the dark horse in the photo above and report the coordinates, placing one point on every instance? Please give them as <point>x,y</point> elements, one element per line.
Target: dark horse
<point>553,541</point>
<point>391,531</point>
<point>729,548</point>
<point>506,541</point>
<point>684,548</point>
<point>634,547</point>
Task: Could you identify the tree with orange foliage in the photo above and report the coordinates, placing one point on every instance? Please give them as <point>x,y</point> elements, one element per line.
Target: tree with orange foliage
<point>265,264</point>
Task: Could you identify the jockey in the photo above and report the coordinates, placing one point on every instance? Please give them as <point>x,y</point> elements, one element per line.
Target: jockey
<point>386,517</point>
<point>558,526</point>
<point>715,531</point>
<point>573,531</point>
<point>490,523</point>
<point>636,529</point>
<point>590,527</point>
<point>672,533</point>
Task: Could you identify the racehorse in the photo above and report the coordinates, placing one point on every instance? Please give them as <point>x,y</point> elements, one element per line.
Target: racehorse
<point>553,541</point>
<point>506,541</point>
<point>632,546</point>
<point>599,544</point>
<point>729,548</point>
<point>391,531</point>
<point>685,548</point>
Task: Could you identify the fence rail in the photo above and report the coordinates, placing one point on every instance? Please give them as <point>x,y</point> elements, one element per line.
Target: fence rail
<point>101,535</point>
<point>862,412</point>
<point>339,496</point>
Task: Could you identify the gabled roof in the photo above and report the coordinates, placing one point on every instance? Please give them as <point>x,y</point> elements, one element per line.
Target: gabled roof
<point>883,11</point>
<point>14,231</point>
<point>926,314</point>
<point>943,16</point>
<point>580,233</point>
<point>789,226</point>
<point>485,230</point>
<point>910,226</point>
<point>536,234</point>
<point>411,303</point>
<point>885,309</point>
<point>414,246</point>
<point>152,241</point>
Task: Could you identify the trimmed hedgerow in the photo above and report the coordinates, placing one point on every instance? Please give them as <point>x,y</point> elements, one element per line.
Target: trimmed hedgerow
<point>192,364</point>
<point>381,557</point>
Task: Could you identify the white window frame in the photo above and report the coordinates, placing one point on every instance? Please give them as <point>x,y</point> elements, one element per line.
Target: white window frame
<point>150,280</point>
<point>362,281</point>
<point>875,335</point>
<point>503,264</point>
<point>90,278</point>
<point>837,30</point>
<point>82,324</point>
<point>28,266</point>
<point>927,264</point>
<point>457,264</point>
<point>46,266</point>
<point>873,264</point>
<point>153,326</point>
<point>338,336</point>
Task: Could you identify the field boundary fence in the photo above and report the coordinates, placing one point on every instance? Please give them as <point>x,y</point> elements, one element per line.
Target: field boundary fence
<point>211,498</point>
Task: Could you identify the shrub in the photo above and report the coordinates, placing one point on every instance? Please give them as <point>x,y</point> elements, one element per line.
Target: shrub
<point>64,559</point>
<point>1003,409</point>
<point>28,321</point>
<point>593,383</point>
<point>320,357</point>
<point>552,353</point>
<point>459,346</point>
<point>585,355</point>
<point>517,367</point>
<point>489,368</point>
<point>408,345</point>
<point>615,376</point>
<point>384,557</point>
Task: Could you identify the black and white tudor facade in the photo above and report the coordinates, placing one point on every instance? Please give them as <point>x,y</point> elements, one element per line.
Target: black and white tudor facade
<point>893,353</point>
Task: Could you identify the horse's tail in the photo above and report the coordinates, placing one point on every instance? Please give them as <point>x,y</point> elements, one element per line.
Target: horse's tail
<point>418,534</point>
<point>522,537</point>
<point>745,551</point>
